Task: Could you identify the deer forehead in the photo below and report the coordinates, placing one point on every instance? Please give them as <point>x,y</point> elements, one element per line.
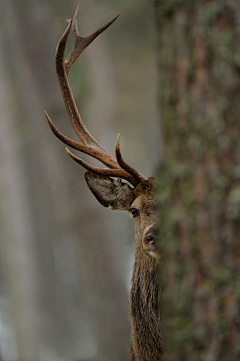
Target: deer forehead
<point>145,204</point>
<point>144,197</point>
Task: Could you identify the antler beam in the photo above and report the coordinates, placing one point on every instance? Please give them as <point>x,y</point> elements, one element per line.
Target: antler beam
<point>90,146</point>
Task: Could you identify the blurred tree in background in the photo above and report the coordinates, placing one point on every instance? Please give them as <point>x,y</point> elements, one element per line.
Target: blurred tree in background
<point>198,181</point>
<point>66,261</point>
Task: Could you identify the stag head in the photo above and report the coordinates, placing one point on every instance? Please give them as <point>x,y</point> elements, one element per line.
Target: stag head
<point>119,186</point>
<point>138,201</point>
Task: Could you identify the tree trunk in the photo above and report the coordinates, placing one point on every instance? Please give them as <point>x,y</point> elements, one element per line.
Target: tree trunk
<point>198,182</point>
<point>16,232</point>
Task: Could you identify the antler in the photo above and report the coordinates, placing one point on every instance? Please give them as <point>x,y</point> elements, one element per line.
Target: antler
<point>116,167</point>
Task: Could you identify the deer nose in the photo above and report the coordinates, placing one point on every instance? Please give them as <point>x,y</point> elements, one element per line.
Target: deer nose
<point>152,235</point>
<point>150,238</point>
<point>150,242</point>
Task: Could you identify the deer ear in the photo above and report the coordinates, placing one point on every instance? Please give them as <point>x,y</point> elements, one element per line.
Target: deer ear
<point>110,192</point>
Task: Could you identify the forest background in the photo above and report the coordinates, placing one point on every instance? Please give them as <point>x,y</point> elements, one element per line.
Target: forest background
<point>65,260</point>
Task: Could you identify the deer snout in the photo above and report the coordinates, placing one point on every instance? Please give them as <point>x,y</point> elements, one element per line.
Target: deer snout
<point>150,241</point>
<point>152,235</point>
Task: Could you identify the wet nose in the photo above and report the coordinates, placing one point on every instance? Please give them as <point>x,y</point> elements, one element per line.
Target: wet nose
<point>152,235</point>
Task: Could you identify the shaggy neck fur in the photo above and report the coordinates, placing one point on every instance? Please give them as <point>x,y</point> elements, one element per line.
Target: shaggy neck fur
<point>147,342</point>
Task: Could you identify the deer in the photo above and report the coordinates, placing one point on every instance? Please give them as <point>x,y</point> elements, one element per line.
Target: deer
<point>121,187</point>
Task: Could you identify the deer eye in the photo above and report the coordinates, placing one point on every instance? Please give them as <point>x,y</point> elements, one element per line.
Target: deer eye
<point>135,212</point>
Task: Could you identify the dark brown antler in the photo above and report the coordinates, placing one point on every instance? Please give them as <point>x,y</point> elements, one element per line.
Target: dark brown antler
<point>116,167</point>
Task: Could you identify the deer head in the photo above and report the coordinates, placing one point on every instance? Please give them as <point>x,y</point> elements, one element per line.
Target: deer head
<point>119,186</point>
<point>135,197</point>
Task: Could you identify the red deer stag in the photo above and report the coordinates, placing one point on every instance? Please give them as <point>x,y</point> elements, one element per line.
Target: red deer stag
<point>136,197</point>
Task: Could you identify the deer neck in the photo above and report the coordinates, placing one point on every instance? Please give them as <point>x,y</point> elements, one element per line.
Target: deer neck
<point>147,343</point>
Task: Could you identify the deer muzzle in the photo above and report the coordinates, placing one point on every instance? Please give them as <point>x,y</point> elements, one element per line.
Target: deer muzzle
<point>150,240</point>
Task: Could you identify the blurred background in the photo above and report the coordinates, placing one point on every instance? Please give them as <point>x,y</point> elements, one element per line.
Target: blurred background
<point>66,261</point>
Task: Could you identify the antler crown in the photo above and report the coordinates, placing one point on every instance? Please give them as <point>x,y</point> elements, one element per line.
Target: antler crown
<point>116,166</point>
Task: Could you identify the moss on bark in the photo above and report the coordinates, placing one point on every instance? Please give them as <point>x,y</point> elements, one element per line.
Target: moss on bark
<point>199,178</point>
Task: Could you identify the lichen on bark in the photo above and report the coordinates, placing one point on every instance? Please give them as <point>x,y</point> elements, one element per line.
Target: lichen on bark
<point>199,177</point>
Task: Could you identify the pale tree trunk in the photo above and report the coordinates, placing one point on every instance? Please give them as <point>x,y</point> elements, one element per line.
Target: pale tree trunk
<point>199,179</point>
<point>16,230</point>
<point>68,283</point>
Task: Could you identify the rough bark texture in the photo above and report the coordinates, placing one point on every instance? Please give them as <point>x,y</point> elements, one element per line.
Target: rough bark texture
<point>198,184</point>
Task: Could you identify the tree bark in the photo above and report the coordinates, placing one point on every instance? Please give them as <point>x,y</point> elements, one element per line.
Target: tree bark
<point>198,46</point>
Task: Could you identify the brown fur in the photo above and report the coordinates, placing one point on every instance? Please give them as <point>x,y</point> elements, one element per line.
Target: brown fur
<point>147,341</point>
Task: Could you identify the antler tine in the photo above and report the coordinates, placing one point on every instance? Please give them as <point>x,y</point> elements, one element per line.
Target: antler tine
<point>118,173</point>
<point>92,151</point>
<point>116,167</point>
<point>80,43</point>
<point>134,172</point>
